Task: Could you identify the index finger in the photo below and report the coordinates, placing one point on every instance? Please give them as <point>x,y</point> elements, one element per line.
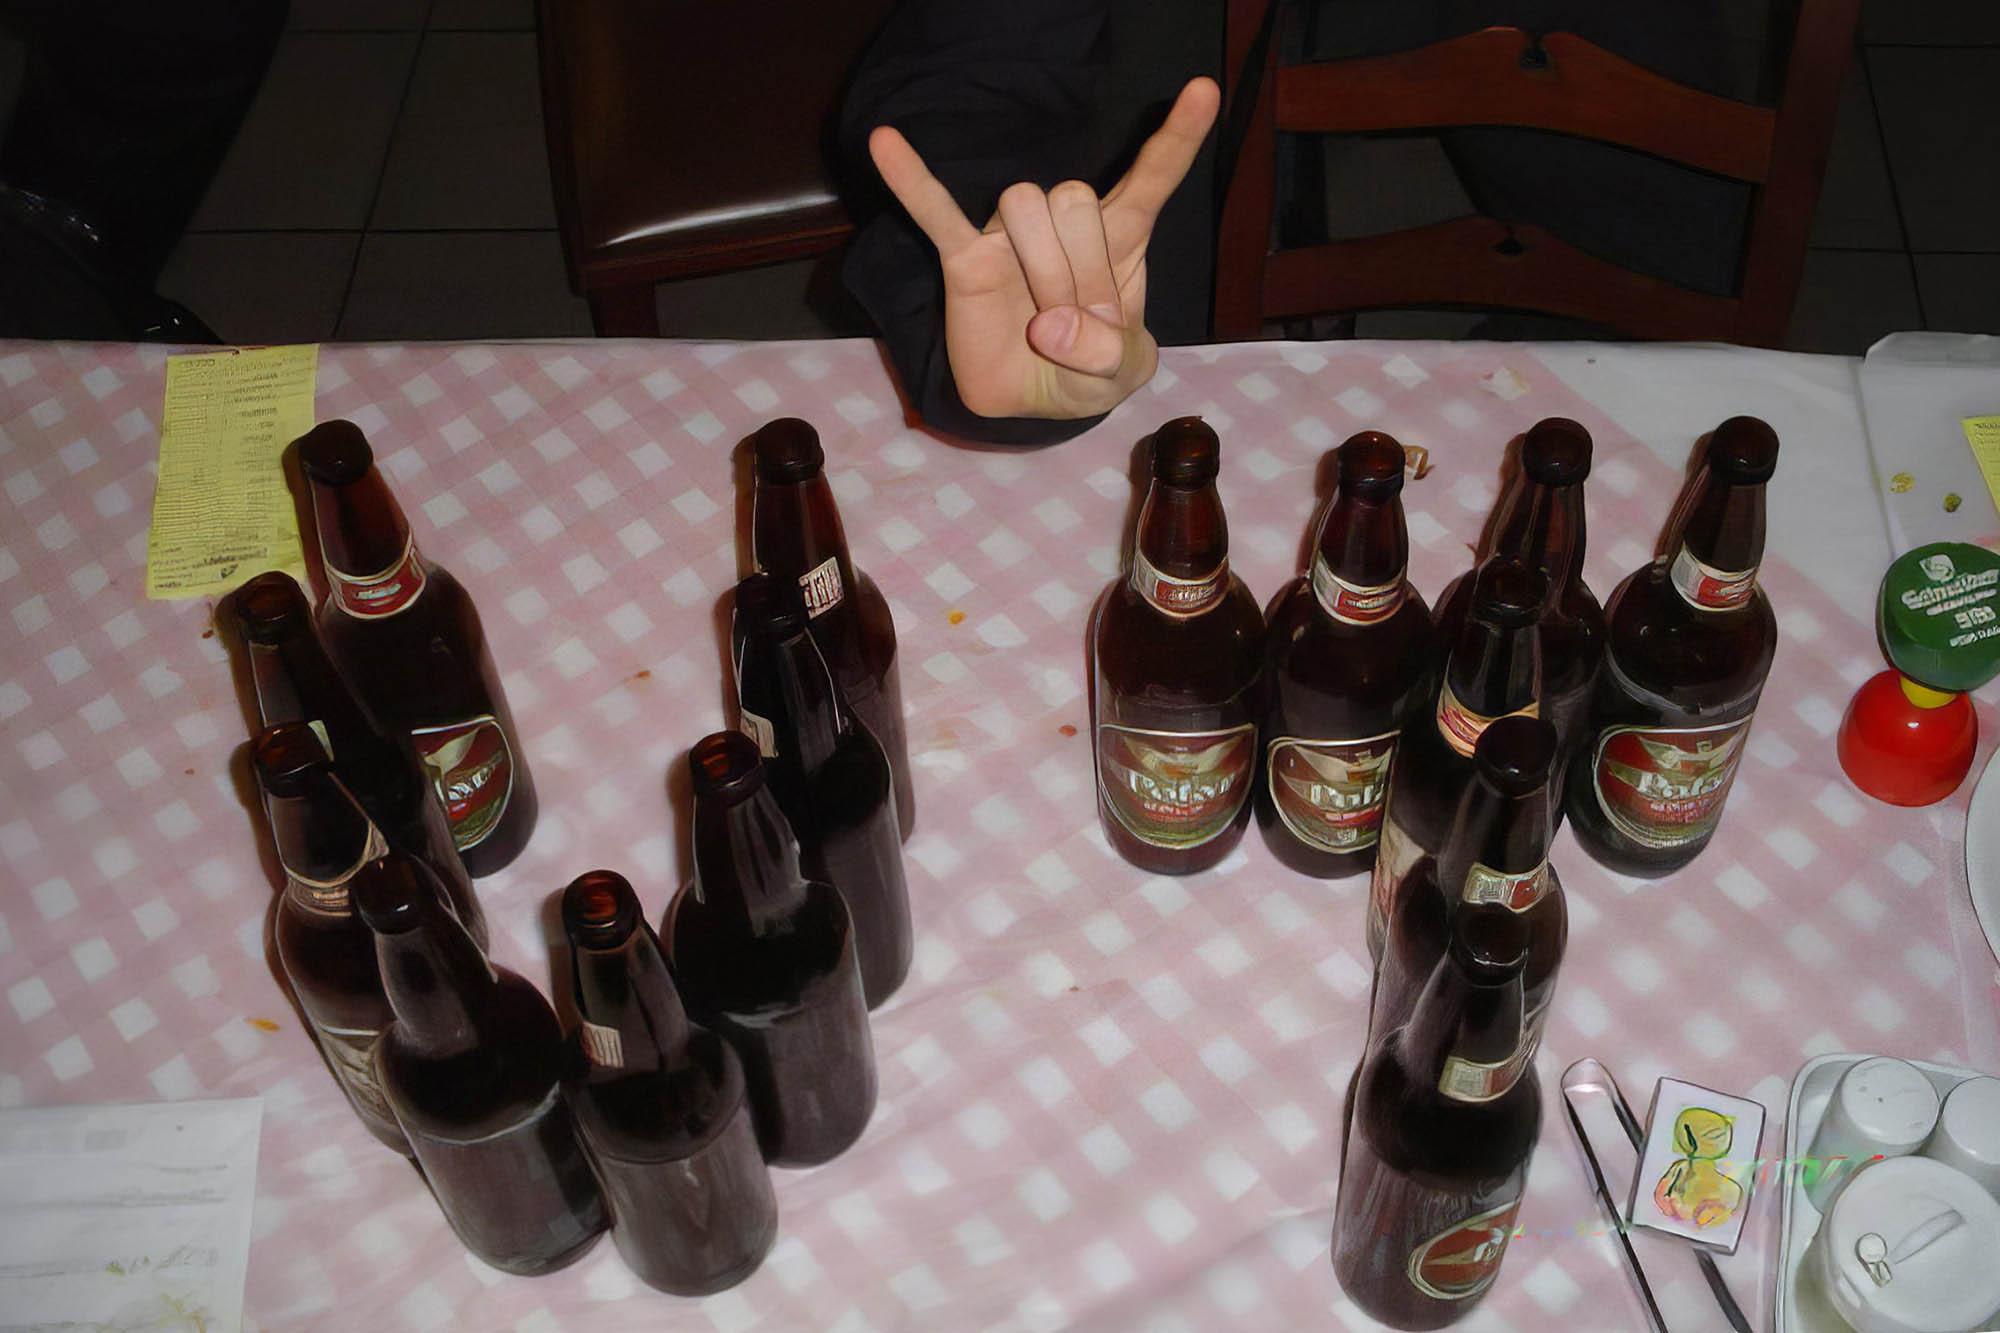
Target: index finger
<point>1164,159</point>
<point>923,195</point>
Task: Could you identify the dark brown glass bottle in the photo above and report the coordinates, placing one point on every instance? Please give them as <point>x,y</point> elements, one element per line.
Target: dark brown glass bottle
<point>661,1105</point>
<point>1445,1121</point>
<point>1349,656</point>
<point>795,533</point>
<point>323,837</point>
<point>1689,643</point>
<point>408,638</point>
<point>1498,853</point>
<point>1541,523</point>
<point>828,772</point>
<point>295,681</point>
<point>472,1067</point>
<point>1493,671</point>
<point>1177,651</point>
<point>765,958</point>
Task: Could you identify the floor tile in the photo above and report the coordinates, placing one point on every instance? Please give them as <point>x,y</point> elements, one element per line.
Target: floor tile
<point>1941,120</point>
<point>1961,292</point>
<point>511,15</point>
<point>1856,207</point>
<point>263,287</point>
<point>312,146</point>
<point>464,284</point>
<point>800,299</point>
<point>1930,22</point>
<point>468,150</point>
<point>376,15</point>
<point>1849,299</point>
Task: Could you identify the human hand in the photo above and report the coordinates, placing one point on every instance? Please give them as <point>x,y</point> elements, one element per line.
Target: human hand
<point>1045,306</point>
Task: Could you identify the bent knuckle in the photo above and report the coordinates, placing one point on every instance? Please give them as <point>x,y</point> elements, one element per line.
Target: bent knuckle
<point>1072,194</point>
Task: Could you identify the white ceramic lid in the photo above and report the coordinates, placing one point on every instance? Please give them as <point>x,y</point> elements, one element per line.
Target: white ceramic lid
<point>1932,1272</point>
<point>1971,1119</point>
<point>1891,1103</point>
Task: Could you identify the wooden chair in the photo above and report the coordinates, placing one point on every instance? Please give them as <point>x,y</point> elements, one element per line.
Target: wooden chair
<point>1555,81</point>
<point>687,140</point>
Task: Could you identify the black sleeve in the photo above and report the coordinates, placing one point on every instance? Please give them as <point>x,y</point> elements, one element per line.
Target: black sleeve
<point>989,93</point>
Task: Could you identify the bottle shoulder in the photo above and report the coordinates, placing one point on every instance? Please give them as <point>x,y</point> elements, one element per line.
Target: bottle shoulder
<point>662,1115</point>
<point>1678,658</point>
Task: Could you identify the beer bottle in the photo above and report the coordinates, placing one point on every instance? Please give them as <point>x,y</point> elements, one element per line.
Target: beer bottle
<point>1540,522</point>
<point>795,533</point>
<point>766,959</point>
<point>1498,852</point>
<point>1349,654</point>
<point>1445,1120</point>
<point>1689,642</point>
<point>295,681</point>
<point>322,838</point>
<point>472,1067</point>
<point>1493,671</point>
<point>661,1106</point>
<point>829,774</point>
<point>407,636</point>
<point>1176,649</point>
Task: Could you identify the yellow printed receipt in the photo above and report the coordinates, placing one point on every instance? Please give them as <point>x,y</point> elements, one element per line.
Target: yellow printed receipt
<point>222,511</point>
<point>1983,434</point>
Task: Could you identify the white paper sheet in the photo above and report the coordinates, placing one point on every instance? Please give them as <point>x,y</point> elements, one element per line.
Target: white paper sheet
<point>127,1218</point>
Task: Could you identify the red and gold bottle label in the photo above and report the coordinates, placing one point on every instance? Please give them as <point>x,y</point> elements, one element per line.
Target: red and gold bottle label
<point>328,897</point>
<point>1329,793</point>
<point>1395,857</point>
<point>1458,1264</point>
<point>1465,1080</point>
<point>1175,789</point>
<point>350,1054</point>
<point>1354,603</point>
<point>1179,597</point>
<point>374,596</point>
<point>1664,786</point>
<point>1516,893</point>
<point>472,768</point>
<point>1706,588</point>
<point>1462,728</point>
<point>821,588</point>
<point>602,1046</point>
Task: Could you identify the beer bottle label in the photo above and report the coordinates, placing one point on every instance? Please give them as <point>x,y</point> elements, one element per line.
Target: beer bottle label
<point>1175,789</point>
<point>472,768</point>
<point>1465,1080</point>
<point>328,897</point>
<point>1458,1264</point>
<point>602,1046</point>
<point>1397,855</point>
<point>350,1054</point>
<point>375,596</point>
<point>1516,893</point>
<point>1178,597</point>
<point>1329,793</point>
<point>1354,603</point>
<point>1706,588</point>
<point>1462,728</point>
<point>760,730</point>
<point>821,588</point>
<point>1664,786</point>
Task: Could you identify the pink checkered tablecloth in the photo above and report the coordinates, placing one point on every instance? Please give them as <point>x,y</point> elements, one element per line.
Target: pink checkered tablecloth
<point>1109,1101</point>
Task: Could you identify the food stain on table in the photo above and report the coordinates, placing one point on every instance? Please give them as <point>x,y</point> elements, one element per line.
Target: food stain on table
<point>643,673</point>
<point>1901,483</point>
<point>262,1024</point>
<point>954,617</point>
<point>1066,729</point>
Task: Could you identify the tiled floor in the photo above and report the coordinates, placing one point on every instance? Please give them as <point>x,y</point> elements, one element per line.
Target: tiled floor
<point>422,209</point>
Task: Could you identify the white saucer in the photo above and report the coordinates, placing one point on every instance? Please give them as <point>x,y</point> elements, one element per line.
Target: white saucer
<point>1982,852</point>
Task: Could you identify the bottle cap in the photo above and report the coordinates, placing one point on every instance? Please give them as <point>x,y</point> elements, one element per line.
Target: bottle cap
<point>1489,942</point>
<point>1371,465</point>
<point>335,453</point>
<point>280,754</point>
<point>769,605</point>
<point>393,892</point>
<point>271,607</point>
<point>787,450</point>
<point>1508,593</point>
<point>1186,452</point>
<point>1556,452</point>
<point>1743,450</point>
<point>1514,754</point>
<point>599,909</point>
<point>1939,614</point>
<point>726,766</point>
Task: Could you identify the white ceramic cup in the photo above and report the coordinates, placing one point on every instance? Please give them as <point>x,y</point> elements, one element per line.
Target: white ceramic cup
<point>1968,1132</point>
<point>1880,1108</point>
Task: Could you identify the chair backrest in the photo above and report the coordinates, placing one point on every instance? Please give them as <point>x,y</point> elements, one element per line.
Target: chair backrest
<point>1556,81</point>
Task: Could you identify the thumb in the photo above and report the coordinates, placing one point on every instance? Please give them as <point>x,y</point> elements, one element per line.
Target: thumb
<point>1078,340</point>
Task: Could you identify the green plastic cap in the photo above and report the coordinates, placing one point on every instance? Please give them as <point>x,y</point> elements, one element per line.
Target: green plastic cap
<point>1940,615</point>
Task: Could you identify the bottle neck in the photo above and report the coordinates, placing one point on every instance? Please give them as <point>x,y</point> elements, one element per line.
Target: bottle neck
<point>1493,671</point>
<point>1498,851</point>
<point>633,1020</point>
<point>746,863</point>
<point>784,684</point>
<point>296,681</point>
<point>795,533</point>
<point>1361,562</point>
<point>322,838</point>
<point>372,566</point>
<point>439,984</point>
<point>1543,527</point>
<point>1180,558</point>
<point>1464,1038</point>
<point>1714,567</point>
